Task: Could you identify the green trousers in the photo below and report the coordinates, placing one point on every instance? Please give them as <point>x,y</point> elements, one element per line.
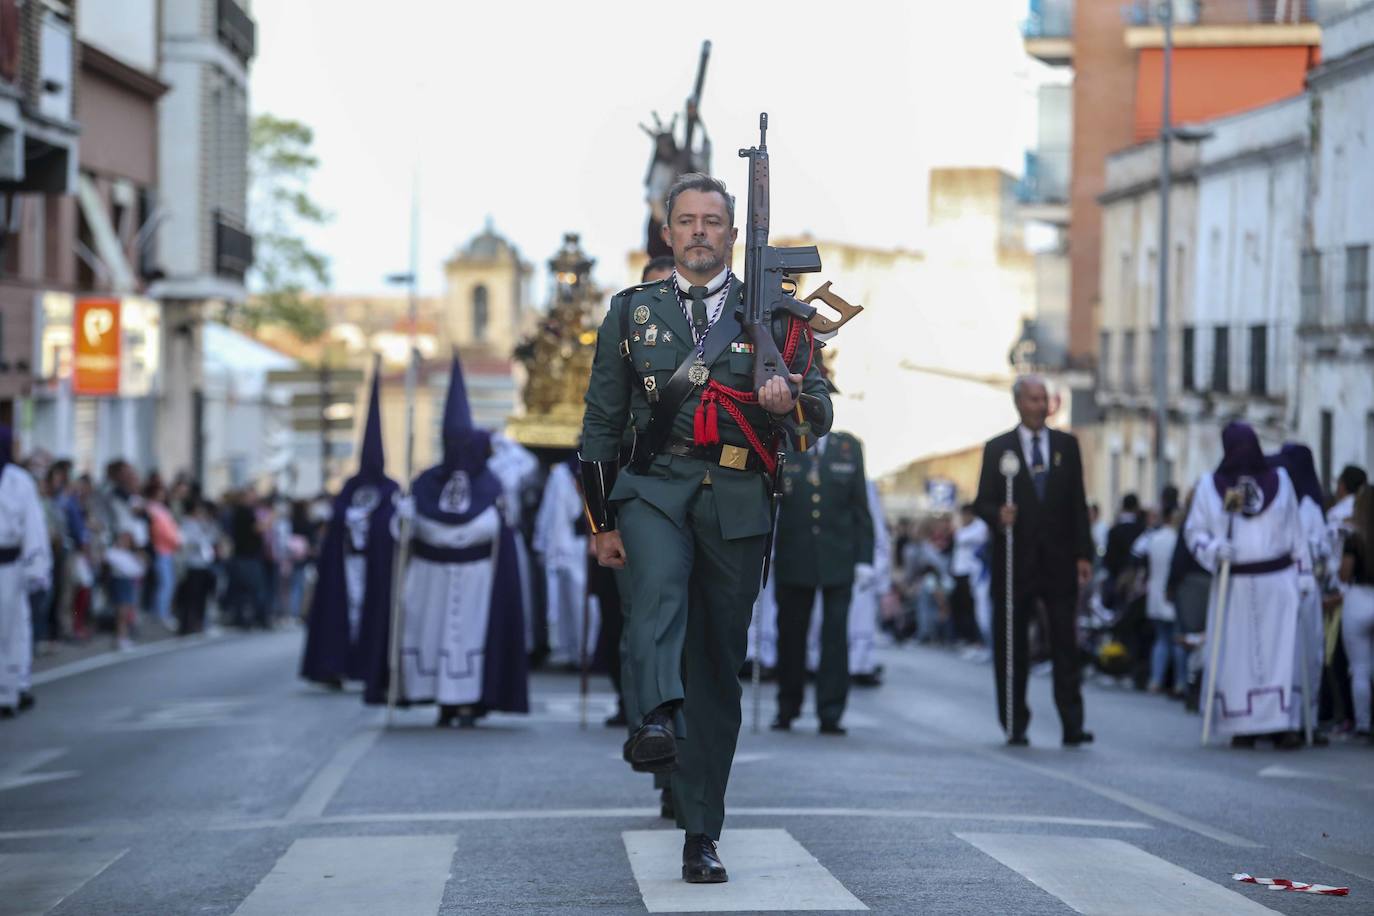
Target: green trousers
<point>628,703</point>
<point>794,623</point>
<point>691,598</point>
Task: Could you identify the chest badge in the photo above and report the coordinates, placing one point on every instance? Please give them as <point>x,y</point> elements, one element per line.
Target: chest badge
<point>651,336</point>
<point>641,315</point>
<point>698,374</point>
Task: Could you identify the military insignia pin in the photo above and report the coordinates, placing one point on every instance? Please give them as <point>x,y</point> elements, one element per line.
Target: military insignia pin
<point>651,336</point>
<point>667,336</point>
<point>642,314</point>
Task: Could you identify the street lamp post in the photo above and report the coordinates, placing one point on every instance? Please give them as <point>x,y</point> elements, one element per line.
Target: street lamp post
<point>1161,343</point>
<point>410,279</point>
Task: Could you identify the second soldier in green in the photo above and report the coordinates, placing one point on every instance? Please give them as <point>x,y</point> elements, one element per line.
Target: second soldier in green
<point>825,541</point>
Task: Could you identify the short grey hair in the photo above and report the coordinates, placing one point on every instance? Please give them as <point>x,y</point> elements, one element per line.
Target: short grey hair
<point>700,181</point>
<point>1019,386</point>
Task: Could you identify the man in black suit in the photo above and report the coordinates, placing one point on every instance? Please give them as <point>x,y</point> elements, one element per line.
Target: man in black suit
<point>1053,554</point>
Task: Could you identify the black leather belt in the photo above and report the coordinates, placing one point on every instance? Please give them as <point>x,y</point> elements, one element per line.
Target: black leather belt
<point>1261,567</point>
<point>9,555</point>
<point>450,554</point>
<point>737,457</point>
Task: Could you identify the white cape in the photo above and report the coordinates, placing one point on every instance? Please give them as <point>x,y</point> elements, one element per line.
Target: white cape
<point>447,609</point>
<point>1255,674</point>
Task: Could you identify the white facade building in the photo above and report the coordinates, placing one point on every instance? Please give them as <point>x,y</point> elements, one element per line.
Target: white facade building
<point>204,248</point>
<point>1335,407</point>
<point>1236,212</point>
<point>248,438</point>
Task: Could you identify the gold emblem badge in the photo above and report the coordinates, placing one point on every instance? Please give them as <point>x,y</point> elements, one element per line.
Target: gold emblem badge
<point>641,315</point>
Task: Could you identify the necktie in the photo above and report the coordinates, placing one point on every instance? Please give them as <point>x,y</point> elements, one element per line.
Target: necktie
<point>1039,473</point>
<point>699,323</point>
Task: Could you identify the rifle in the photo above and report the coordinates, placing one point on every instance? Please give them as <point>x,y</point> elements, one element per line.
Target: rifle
<point>768,288</point>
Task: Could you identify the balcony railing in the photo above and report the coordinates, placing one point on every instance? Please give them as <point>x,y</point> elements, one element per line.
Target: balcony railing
<point>236,30</point>
<point>1046,179</point>
<point>1223,12</point>
<point>1049,19</point>
<point>233,247</point>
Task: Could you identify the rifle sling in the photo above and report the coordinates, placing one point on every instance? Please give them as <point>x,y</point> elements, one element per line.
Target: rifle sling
<point>679,387</point>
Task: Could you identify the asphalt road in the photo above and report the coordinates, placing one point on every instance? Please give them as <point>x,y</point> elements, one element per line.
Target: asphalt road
<point>209,780</point>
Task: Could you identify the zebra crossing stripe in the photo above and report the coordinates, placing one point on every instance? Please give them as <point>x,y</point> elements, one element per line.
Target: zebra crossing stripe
<point>355,876</point>
<point>1103,877</point>
<point>769,871</point>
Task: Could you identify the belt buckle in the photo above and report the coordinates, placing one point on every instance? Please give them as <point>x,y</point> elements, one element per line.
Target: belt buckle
<point>732,456</point>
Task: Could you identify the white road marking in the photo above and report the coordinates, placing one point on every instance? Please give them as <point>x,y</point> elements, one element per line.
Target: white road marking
<point>330,777</point>
<point>209,712</point>
<point>1279,771</point>
<point>769,870</point>
<point>739,758</point>
<point>935,714</point>
<point>355,876</point>
<point>1149,809</point>
<point>15,773</point>
<point>1103,877</point>
<point>1353,862</point>
<point>32,883</point>
<point>537,814</point>
<point>106,659</point>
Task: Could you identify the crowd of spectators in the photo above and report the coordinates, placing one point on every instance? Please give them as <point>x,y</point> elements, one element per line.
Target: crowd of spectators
<point>137,556</point>
<point>1143,621</point>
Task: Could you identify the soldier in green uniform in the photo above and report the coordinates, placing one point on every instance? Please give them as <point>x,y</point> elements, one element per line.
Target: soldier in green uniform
<point>688,517</point>
<point>825,540</point>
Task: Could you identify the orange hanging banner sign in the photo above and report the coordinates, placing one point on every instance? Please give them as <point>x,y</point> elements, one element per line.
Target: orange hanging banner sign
<point>95,347</point>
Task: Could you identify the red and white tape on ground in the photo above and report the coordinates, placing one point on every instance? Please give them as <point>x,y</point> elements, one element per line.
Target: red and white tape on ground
<point>1283,884</point>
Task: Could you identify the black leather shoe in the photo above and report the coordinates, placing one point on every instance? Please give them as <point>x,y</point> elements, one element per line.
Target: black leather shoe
<point>781,724</point>
<point>26,700</point>
<point>832,728</point>
<point>1018,740</point>
<point>618,720</point>
<point>1083,737</point>
<point>665,804</point>
<point>1243,741</point>
<point>700,864</point>
<point>447,715</point>
<point>1286,741</point>
<point>653,746</point>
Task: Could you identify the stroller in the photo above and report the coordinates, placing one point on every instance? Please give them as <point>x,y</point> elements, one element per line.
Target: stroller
<point>1114,630</point>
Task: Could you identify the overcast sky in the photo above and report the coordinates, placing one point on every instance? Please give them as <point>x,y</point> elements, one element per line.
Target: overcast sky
<point>527,112</point>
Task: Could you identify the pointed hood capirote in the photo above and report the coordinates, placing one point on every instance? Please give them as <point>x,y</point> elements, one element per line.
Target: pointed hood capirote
<point>372,457</point>
<point>339,646</point>
<point>1296,459</point>
<point>460,487</point>
<point>1242,458</point>
<point>466,448</point>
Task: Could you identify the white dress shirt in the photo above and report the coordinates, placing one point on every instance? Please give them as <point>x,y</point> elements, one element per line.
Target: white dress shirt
<point>1026,436</point>
<point>713,304</point>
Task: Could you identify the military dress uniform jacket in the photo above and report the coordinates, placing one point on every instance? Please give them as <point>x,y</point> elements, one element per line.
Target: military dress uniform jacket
<point>825,526</point>
<point>620,391</point>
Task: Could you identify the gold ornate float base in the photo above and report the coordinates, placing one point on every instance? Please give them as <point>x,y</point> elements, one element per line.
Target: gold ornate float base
<point>558,428</point>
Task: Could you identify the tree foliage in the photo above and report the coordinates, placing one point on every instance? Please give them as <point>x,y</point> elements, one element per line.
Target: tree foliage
<point>285,270</point>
